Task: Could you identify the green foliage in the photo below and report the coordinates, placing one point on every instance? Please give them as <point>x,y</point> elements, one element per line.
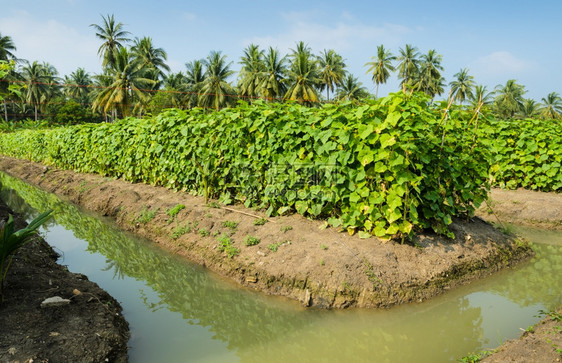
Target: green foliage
<point>260,221</point>
<point>275,246</point>
<point>71,113</point>
<point>11,241</point>
<point>285,229</point>
<point>251,241</point>
<point>525,153</point>
<point>204,232</point>
<point>12,126</point>
<point>230,224</point>
<point>552,314</point>
<point>475,357</point>
<point>382,169</point>
<point>173,212</point>
<point>225,245</point>
<point>181,230</point>
<point>145,215</point>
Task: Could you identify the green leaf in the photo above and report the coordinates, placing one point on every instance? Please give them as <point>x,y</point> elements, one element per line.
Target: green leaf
<point>364,235</point>
<point>301,207</point>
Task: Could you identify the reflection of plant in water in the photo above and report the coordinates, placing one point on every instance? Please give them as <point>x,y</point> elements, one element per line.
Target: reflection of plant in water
<point>538,278</point>
<point>117,271</point>
<point>252,327</point>
<point>232,315</point>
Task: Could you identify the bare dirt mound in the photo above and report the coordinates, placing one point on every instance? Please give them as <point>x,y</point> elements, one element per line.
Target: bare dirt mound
<point>89,329</point>
<point>526,207</point>
<point>540,343</point>
<point>289,256</point>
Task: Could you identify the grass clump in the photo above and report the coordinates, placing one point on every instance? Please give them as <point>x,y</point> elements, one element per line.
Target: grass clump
<point>181,230</point>
<point>275,246</point>
<point>146,215</point>
<point>204,232</point>
<point>173,212</point>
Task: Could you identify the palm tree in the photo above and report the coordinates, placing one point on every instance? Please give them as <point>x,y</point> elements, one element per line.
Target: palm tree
<point>7,47</point>
<point>461,87</point>
<point>175,84</point>
<point>303,76</point>
<point>381,66</point>
<point>113,37</point>
<point>252,72</point>
<point>351,89</point>
<point>38,81</point>
<point>78,86</point>
<point>481,95</point>
<point>215,91</point>
<point>509,98</point>
<point>273,82</point>
<point>150,57</point>
<point>551,106</point>
<point>429,80</point>
<point>408,66</point>
<point>332,71</point>
<point>53,81</point>
<point>530,108</point>
<point>194,79</point>
<point>128,81</point>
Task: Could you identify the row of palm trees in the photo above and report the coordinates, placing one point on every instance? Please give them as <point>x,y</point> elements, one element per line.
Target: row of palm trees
<point>136,79</point>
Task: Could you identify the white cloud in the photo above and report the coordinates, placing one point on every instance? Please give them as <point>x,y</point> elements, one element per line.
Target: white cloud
<point>51,41</point>
<point>344,35</point>
<point>189,16</point>
<point>501,63</point>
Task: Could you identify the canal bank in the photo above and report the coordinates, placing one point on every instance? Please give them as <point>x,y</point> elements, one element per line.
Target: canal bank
<point>288,256</point>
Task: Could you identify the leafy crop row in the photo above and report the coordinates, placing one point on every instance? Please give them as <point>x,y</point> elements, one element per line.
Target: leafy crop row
<point>379,169</point>
<point>525,153</point>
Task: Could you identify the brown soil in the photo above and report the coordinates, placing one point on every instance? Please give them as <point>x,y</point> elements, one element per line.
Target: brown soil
<point>525,207</point>
<point>89,329</point>
<point>541,344</point>
<point>318,267</point>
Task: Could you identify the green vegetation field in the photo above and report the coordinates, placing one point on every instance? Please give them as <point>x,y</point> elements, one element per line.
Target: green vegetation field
<point>385,168</point>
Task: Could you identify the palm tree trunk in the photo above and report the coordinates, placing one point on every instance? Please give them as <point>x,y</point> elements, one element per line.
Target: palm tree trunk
<point>35,106</point>
<point>5,112</point>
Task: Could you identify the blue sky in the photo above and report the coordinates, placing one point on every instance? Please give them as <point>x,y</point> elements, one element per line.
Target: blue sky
<point>496,39</point>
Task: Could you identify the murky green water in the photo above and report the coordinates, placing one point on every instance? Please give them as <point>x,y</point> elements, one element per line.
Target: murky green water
<point>179,312</point>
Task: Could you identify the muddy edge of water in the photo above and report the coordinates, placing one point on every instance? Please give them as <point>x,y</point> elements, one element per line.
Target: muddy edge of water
<point>295,257</point>
<point>89,329</point>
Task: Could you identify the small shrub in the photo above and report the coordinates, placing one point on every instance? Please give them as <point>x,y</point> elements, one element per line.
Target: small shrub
<point>204,232</point>
<point>225,245</point>
<point>230,224</point>
<point>251,241</point>
<point>260,221</point>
